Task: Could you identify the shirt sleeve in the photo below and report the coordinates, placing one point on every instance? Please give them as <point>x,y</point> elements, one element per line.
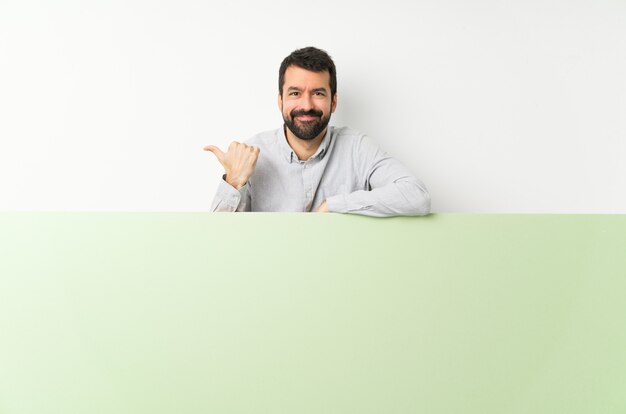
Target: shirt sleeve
<point>228,198</point>
<point>391,190</point>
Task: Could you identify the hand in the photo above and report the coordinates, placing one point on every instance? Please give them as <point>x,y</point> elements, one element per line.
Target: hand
<point>238,162</point>
<point>323,208</point>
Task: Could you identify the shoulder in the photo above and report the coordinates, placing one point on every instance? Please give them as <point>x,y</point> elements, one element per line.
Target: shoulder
<point>263,139</point>
<point>349,138</point>
<point>347,134</point>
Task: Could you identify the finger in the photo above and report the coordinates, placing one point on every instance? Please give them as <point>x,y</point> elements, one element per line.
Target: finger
<point>215,150</point>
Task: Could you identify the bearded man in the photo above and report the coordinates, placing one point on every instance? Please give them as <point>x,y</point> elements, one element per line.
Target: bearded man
<point>307,165</point>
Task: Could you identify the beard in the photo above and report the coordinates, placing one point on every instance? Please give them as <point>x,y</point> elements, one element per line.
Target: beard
<point>306,130</point>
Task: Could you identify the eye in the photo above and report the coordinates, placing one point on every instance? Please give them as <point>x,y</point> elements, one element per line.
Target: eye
<point>320,93</point>
<point>293,93</point>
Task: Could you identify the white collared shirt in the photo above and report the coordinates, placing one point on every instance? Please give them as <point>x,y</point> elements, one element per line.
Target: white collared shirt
<point>348,171</point>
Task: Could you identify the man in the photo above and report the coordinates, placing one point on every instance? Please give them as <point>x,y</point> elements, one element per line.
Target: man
<point>307,165</point>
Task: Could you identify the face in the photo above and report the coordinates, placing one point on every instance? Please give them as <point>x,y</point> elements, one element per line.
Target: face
<point>306,104</point>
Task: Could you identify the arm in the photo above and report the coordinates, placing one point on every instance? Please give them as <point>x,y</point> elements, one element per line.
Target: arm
<point>391,189</point>
<point>233,192</point>
<point>229,199</point>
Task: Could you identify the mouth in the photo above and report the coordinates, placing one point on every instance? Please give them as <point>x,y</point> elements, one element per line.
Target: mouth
<point>306,118</point>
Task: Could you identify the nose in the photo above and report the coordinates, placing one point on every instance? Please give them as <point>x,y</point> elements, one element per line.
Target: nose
<point>306,102</point>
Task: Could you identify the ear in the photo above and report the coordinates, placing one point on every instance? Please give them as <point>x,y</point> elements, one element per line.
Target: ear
<point>280,102</point>
<point>333,105</point>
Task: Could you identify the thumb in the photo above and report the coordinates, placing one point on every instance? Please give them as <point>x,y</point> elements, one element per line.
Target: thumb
<point>218,152</point>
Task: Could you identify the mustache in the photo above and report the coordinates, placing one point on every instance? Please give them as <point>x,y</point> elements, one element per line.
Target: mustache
<point>311,112</point>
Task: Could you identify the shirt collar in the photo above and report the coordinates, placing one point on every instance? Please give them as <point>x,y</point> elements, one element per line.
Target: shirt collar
<point>291,156</point>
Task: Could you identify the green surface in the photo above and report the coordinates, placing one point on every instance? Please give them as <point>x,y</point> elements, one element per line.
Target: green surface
<point>312,313</point>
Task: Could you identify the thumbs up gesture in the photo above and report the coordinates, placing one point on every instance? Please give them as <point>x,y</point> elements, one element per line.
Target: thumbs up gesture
<point>239,162</point>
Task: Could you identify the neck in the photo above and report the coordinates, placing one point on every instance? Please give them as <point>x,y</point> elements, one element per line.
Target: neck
<point>304,148</point>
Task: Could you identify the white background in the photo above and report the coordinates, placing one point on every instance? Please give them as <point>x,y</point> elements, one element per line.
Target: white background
<point>496,106</point>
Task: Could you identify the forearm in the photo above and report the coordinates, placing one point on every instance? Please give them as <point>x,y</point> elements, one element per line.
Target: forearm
<point>406,197</point>
<point>229,199</point>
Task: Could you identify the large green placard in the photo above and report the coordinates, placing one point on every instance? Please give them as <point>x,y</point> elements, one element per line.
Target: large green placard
<point>312,313</point>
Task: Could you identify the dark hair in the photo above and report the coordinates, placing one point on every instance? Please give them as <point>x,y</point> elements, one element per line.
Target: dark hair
<point>309,58</point>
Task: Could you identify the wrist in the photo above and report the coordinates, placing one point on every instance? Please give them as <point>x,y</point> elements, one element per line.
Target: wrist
<point>235,182</point>
<point>323,208</point>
